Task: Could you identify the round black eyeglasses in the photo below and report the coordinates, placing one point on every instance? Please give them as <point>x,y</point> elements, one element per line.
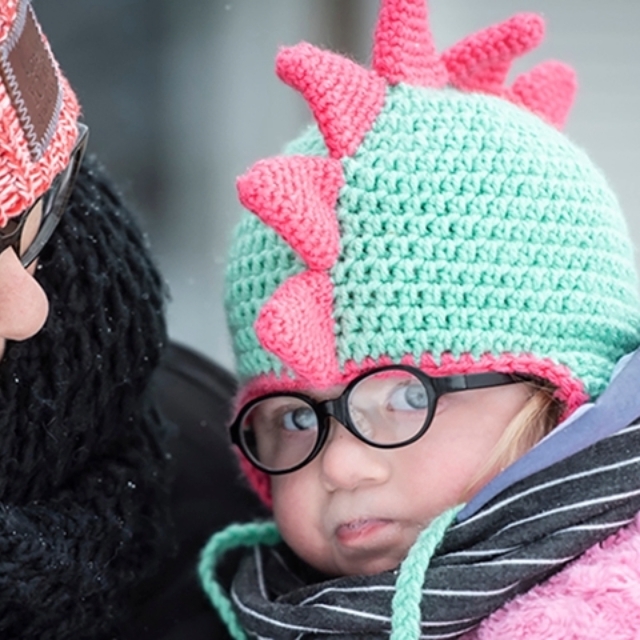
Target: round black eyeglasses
<point>386,408</point>
<point>29,232</point>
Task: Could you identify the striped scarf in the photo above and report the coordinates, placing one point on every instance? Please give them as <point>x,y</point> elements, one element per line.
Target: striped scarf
<point>566,495</point>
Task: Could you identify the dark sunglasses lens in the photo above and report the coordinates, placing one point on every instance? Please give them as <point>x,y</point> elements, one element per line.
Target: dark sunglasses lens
<point>54,203</point>
<point>11,232</point>
<point>279,433</point>
<point>30,227</point>
<point>390,407</point>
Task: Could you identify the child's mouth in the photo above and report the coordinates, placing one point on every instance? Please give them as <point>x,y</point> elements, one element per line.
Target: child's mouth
<point>357,531</point>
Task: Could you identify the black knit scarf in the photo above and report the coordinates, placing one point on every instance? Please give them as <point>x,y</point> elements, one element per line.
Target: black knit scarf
<point>516,539</point>
<point>82,497</point>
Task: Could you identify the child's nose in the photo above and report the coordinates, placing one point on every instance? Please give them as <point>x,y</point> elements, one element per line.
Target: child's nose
<point>347,462</point>
<point>23,303</point>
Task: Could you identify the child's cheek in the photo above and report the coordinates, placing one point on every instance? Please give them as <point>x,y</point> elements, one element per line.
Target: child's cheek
<point>293,503</point>
<point>297,509</point>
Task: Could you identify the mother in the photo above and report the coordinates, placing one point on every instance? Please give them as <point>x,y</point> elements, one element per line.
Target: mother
<point>81,330</point>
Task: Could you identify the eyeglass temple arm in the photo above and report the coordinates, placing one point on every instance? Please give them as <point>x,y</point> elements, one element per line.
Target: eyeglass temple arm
<point>475,381</point>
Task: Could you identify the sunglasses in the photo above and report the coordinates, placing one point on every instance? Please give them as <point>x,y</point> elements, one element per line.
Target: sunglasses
<point>29,232</point>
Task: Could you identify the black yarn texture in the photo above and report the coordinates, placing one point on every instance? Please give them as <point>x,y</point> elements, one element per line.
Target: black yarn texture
<point>82,468</point>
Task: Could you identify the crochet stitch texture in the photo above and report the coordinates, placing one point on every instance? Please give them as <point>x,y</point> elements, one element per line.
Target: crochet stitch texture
<point>433,216</point>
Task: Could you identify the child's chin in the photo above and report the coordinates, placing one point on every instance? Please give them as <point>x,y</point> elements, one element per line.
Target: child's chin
<point>370,567</point>
<point>370,564</point>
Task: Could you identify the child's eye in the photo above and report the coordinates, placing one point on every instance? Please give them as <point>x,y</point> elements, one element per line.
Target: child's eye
<point>410,397</point>
<point>300,419</point>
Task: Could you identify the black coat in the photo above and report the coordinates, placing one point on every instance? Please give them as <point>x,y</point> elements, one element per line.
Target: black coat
<point>208,493</point>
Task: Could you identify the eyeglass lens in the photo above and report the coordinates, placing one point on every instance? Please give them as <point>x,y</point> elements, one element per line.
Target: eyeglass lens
<point>386,408</point>
<point>389,407</point>
<point>280,432</point>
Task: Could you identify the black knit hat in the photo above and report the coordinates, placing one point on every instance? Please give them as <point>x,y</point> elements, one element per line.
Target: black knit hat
<point>82,468</point>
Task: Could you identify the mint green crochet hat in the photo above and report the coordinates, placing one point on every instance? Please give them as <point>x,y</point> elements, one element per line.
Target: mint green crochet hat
<point>432,216</point>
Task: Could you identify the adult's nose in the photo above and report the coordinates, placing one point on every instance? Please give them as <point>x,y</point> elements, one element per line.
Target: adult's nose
<point>348,463</point>
<point>23,303</point>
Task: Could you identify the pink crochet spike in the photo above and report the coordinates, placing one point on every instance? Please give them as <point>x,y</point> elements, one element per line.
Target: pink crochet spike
<point>548,90</point>
<point>403,48</point>
<point>296,324</point>
<point>482,61</point>
<point>296,196</point>
<point>345,98</point>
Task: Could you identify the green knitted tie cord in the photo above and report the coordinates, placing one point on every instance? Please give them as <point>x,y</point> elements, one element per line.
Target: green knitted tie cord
<point>232,537</point>
<point>405,616</point>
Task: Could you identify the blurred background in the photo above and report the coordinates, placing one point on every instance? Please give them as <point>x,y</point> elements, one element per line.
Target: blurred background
<point>181,97</point>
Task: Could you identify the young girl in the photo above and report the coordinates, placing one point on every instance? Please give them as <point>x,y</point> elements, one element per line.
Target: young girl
<point>434,309</point>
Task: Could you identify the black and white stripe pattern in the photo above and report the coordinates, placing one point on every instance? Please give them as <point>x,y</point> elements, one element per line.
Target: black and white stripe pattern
<point>516,540</point>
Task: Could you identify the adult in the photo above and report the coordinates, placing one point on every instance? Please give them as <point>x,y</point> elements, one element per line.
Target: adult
<point>82,469</point>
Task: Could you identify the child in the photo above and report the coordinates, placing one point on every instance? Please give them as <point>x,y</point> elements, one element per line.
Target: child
<point>81,331</point>
<point>429,301</point>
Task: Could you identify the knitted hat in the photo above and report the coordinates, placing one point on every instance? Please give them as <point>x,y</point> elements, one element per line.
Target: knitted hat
<point>434,216</point>
<point>38,111</point>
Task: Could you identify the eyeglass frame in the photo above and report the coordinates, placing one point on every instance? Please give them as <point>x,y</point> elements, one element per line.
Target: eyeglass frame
<point>55,201</point>
<point>338,408</point>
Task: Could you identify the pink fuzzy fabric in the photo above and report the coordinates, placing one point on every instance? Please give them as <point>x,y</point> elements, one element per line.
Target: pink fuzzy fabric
<point>595,597</point>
